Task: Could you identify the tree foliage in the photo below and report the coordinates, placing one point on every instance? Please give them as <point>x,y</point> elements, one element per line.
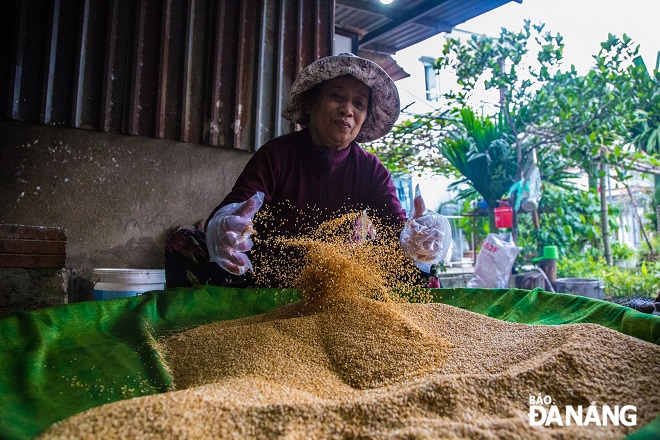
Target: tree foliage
<point>411,146</point>
<point>570,220</point>
<point>479,149</point>
<point>560,117</point>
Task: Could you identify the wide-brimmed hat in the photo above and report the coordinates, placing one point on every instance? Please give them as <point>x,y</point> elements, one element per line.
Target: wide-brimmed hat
<point>384,108</point>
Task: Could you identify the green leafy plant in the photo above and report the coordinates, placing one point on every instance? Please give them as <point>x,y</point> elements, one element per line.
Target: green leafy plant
<point>621,251</point>
<point>479,150</point>
<point>569,219</point>
<point>643,281</point>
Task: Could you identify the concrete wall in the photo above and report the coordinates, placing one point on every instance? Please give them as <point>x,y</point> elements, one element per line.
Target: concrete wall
<point>118,196</point>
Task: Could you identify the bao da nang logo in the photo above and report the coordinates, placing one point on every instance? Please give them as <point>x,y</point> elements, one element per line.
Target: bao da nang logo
<point>544,412</point>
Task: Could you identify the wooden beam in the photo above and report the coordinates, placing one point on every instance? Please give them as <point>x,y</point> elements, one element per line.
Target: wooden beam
<point>32,232</point>
<point>32,261</point>
<point>32,247</point>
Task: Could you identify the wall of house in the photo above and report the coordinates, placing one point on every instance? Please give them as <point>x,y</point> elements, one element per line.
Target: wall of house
<point>118,196</point>
<point>121,119</point>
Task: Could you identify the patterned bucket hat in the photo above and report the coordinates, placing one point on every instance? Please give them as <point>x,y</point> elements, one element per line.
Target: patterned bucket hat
<point>384,108</point>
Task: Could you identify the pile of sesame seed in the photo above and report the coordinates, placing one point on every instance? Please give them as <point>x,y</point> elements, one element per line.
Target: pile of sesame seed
<point>353,361</point>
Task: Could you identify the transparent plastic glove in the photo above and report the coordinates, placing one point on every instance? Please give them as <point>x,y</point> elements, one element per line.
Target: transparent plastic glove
<point>228,234</point>
<point>426,237</point>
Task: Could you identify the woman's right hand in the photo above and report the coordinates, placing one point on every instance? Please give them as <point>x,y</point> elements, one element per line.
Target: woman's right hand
<point>228,234</point>
<point>426,237</point>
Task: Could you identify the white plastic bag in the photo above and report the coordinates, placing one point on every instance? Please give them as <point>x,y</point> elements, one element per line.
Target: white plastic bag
<point>426,237</point>
<point>531,195</point>
<point>494,262</point>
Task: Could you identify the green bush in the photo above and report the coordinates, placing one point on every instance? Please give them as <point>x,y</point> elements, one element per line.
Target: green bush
<point>569,220</point>
<point>621,251</point>
<point>643,281</point>
<point>645,254</point>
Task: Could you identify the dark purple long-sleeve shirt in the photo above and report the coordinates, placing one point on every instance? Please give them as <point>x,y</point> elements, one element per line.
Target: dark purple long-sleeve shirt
<point>292,172</point>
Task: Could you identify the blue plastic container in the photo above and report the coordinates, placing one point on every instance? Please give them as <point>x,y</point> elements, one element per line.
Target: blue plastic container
<point>112,283</point>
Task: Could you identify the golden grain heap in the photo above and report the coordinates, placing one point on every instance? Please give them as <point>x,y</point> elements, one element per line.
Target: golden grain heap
<point>353,361</point>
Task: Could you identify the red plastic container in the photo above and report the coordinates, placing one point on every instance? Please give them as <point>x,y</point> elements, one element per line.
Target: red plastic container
<point>504,217</point>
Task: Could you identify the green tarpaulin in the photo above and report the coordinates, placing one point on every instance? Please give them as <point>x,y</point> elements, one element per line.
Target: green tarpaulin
<point>60,361</point>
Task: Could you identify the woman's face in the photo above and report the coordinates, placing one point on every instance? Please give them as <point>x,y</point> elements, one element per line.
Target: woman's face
<point>338,112</point>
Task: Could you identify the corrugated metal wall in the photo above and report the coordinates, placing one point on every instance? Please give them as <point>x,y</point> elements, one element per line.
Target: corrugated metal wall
<point>203,71</point>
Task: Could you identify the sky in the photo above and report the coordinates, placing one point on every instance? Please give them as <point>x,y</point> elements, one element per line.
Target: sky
<point>584,24</point>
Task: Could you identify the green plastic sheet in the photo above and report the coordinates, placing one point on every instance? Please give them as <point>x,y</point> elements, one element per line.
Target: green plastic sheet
<point>60,361</point>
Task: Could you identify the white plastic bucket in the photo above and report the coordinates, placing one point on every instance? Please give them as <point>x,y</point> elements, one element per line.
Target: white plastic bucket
<point>122,283</point>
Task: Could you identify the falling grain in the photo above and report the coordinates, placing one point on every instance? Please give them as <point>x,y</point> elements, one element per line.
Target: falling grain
<point>353,360</point>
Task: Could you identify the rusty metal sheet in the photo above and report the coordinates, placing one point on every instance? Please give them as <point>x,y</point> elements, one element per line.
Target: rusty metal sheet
<point>217,126</point>
<point>50,58</point>
<point>164,60</point>
<point>60,106</point>
<point>209,71</point>
<point>89,62</point>
<point>120,15</point>
<point>107,99</point>
<point>192,102</point>
<point>150,42</point>
<point>79,71</point>
<point>212,119</point>
<point>314,19</point>
<point>25,80</point>
<point>216,72</point>
<point>7,36</point>
<point>288,66</point>
<point>301,61</point>
<point>16,62</point>
<point>170,69</point>
<point>144,53</point>
<point>243,123</point>
<point>136,70</point>
<point>266,71</point>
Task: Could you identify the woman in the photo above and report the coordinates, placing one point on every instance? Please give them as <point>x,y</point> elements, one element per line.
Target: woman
<point>310,175</point>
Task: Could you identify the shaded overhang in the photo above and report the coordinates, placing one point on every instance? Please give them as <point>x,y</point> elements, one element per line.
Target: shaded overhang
<point>382,30</point>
